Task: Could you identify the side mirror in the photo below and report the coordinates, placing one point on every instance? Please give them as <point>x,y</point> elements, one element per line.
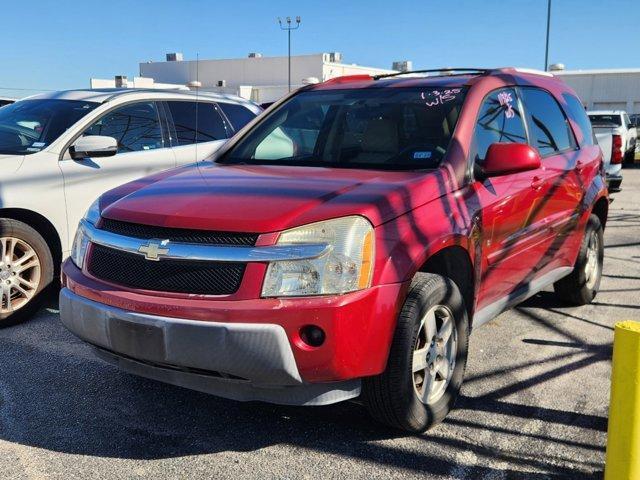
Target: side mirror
<point>505,158</point>
<point>93,146</point>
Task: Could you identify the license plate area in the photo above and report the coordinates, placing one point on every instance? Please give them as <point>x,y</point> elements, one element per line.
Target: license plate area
<point>137,340</point>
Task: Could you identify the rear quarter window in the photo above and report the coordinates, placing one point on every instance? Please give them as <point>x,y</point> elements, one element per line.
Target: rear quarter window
<point>578,114</point>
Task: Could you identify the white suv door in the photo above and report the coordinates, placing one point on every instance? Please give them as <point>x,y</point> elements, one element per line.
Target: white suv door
<point>142,150</point>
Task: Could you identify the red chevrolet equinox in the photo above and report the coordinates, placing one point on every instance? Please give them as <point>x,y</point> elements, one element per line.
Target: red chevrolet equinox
<point>346,242</point>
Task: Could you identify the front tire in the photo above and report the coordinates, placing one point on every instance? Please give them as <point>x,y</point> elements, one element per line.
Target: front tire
<point>427,358</point>
<point>26,270</point>
<point>582,284</point>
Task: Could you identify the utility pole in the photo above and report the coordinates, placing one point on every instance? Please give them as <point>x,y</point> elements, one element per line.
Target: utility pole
<point>546,50</point>
<point>288,27</point>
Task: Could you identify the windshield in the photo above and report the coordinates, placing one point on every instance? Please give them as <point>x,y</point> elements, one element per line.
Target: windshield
<point>377,128</point>
<point>29,126</point>
<point>605,120</point>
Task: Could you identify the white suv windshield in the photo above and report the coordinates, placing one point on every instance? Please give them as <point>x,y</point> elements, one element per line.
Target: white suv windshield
<point>376,128</point>
<point>29,126</point>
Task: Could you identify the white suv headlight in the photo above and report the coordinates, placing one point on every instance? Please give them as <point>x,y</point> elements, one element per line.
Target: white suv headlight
<point>81,240</point>
<point>348,266</point>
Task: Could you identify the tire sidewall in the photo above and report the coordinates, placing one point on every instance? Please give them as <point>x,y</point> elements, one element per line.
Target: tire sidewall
<point>438,290</point>
<point>17,229</point>
<point>593,224</point>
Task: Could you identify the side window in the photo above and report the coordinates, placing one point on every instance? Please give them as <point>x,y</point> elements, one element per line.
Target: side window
<point>238,115</point>
<point>550,130</point>
<point>135,127</point>
<point>209,125</point>
<point>500,121</point>
<point>579,115</point>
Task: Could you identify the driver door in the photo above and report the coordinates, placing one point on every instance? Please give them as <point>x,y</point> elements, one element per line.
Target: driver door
<point>142,150</point>
<point>512,206</point>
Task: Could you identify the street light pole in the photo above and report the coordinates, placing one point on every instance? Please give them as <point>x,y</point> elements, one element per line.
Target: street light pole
<point>288,27</point>
<point>546,50</point>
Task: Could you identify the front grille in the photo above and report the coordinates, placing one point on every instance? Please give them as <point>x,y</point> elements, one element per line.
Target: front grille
<point>177,234</point>
<point>166,275</point>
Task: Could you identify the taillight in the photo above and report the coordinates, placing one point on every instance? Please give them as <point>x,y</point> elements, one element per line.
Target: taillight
<point>616,150</point>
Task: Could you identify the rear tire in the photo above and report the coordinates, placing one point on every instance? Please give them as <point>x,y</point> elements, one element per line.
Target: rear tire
<point>404,396</point>
<point>581,285</point>
<point>26,270</point>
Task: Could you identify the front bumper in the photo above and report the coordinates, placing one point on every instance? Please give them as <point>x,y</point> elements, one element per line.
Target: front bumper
<point>240,361</point>
<point>359,326</point>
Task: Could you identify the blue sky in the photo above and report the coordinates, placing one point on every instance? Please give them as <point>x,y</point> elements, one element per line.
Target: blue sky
<point>56,45</point>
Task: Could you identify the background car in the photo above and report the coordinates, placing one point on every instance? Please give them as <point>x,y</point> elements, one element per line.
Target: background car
<point>59,151</point>
<point>6,101</point>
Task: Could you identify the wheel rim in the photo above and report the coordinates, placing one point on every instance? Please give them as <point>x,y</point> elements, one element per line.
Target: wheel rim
<point>592,265</point>
<point>434,354</point>
<point>19,273</point>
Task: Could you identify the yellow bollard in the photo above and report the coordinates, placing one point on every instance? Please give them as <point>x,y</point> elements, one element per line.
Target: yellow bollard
<point>623,437</point>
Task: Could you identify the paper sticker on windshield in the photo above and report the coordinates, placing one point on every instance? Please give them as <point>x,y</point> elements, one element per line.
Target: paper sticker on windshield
<point>32,149</point>
<point>440,97</point>
<point>421,155</point>
<point>38,144</point>
<point>506,100</point>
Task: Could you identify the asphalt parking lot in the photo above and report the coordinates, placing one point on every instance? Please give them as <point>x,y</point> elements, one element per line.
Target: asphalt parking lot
<point>534,404</point>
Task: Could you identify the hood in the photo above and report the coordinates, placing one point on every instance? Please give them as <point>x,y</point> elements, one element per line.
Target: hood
<point>261,199</point>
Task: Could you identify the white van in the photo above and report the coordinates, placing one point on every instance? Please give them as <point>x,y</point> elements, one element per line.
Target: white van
<point>60,151</point>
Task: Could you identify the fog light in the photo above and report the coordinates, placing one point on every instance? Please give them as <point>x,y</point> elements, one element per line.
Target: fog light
<point>312,335</point>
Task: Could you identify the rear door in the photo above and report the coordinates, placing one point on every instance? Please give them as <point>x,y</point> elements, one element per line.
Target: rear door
<point>198,129</point>
<point>142,150</point>
<point>559,200</point>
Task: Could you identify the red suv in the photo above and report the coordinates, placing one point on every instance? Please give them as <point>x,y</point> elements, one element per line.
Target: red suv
<point>346,242</point>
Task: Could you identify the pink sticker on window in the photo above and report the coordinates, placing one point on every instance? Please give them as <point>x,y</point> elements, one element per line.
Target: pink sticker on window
<point>506,101</point>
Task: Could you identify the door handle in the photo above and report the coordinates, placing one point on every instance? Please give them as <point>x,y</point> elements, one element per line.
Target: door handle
<point>537,183</point>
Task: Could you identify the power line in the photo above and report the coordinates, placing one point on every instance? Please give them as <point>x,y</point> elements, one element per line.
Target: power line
<point>28,89</point>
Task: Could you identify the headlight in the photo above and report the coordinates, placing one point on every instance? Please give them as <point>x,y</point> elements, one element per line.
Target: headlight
<point>81,240</point>
<point>93,213</point>
<point>348,266</point>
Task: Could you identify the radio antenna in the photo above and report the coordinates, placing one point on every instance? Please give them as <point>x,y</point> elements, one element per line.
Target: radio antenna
<point>197,95</point>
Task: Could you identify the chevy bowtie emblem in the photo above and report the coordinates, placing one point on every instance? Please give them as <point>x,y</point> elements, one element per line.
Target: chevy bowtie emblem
<point>153,250</point>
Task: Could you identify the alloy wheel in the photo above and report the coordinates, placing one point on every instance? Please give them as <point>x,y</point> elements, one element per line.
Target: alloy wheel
<point>434,354</point>
<point>19,273</point>
<point>592,265</point>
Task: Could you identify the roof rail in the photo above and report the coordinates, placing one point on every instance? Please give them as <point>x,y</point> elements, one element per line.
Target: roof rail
<point>125,91</point>
<point>441,71</point>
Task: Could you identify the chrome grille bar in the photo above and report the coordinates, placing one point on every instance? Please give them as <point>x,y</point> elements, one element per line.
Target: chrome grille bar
<point>199,252</point>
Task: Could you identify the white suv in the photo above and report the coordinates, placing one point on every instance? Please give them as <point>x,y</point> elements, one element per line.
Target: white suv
<point>60,151</point>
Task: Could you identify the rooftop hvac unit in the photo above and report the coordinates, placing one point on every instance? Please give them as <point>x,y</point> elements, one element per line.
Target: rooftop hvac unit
<point>121,81</point>
<point>222,83</point>
<point>335,57</point>
<point>402,65</point>
<point>174,57</point>
<point>255,55</point>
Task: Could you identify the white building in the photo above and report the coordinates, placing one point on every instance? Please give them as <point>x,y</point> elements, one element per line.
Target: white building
<point>261,79</point>
<point>615,89</point>
<point>120,81</point>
